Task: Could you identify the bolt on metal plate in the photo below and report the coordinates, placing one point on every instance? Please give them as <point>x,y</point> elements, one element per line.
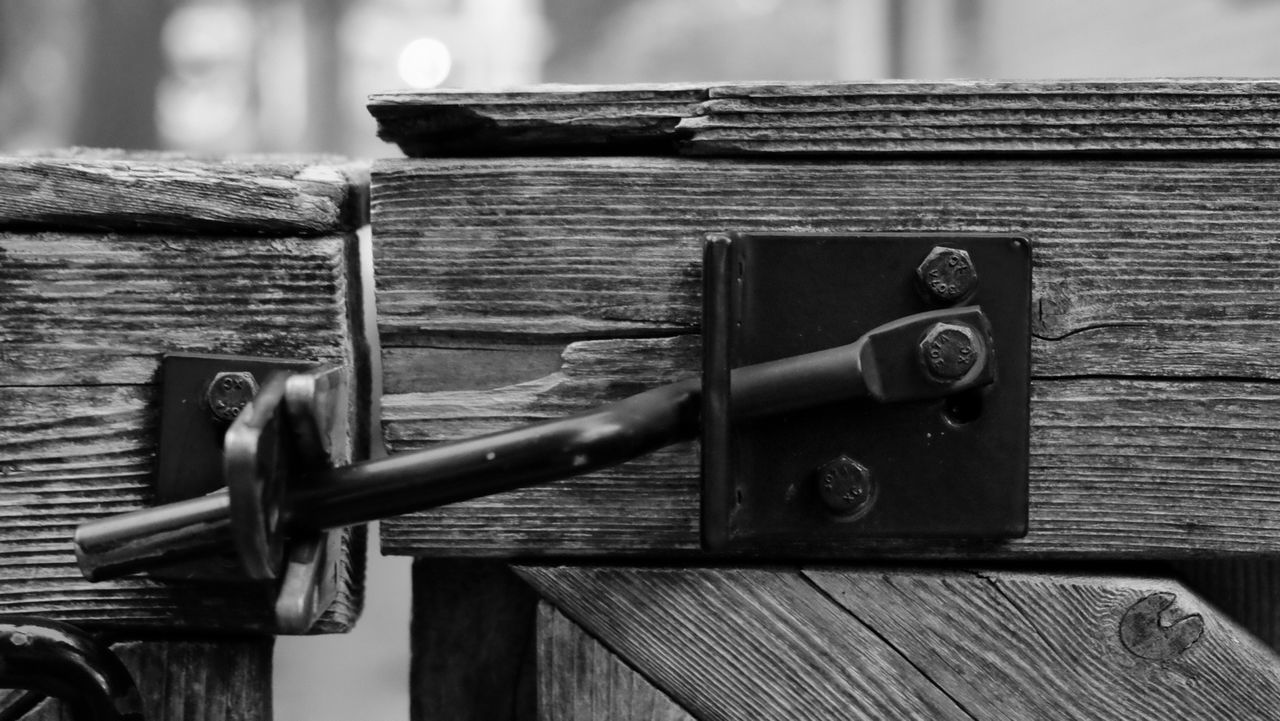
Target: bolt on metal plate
<point>946,468</point>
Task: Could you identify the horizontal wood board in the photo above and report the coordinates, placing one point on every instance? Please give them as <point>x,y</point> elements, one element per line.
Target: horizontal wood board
<point>105,190</point>
<point>85,319</point>
<point>572,119</point>
<point>1154,316</point>
<point>878,117</point>
<point>224,680</point>
<point>792,643</point>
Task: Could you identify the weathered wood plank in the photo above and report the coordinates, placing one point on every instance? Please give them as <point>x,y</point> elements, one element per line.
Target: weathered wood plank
<point>473,643</point>
<point>68,454</point>
<point>877,117</point>
<point>731,644</point>
<point>581,680</point>
<point>1118,468</point>
<point>550,118</point>
<point>102,308</point>
<point>85,321</point>
<point>226,680</point>
<point>1140,268</point>
<point>105,190</point>
<point>1028,645</point>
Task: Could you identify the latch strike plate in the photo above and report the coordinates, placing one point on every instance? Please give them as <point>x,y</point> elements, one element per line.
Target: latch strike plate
<point>825,480</point>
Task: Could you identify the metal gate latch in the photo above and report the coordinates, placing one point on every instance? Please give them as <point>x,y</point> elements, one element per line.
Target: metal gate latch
<point>852,387</point>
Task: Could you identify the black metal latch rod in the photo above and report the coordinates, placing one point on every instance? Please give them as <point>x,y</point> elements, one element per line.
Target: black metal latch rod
<point>888,364</point>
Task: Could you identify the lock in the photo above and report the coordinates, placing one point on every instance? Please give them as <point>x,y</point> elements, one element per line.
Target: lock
<point>811,343</point>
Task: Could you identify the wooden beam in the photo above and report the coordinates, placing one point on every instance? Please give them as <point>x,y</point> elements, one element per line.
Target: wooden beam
<point>1153,312</point>
<point>194,680</point>
<point>904,643</point>
<point>86,317</point>
<point>865,118</point>
<point>111,190</point>
<point>581,680</point>
<point>571,119</point>
<point>473,643</point>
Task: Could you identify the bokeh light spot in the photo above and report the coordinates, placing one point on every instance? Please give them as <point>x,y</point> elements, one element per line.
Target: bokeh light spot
<point>425,63</point>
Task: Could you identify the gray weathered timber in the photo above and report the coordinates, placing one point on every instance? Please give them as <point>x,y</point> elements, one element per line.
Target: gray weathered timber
<point>93,309</point>
<point>572,119</point>
<point>227,680</point>
<point>730,644</point>
<point>851,644</point>
<point>1160,268</point>
<point>85,319</point>
<point>581,680</point>
<point>863,118</point>
<point>1154,312</point>
<point>162,193</point>
<point>473,643</point>
<point>1118,468</point>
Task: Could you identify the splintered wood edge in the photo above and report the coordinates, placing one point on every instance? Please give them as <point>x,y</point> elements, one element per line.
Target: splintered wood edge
<point>730,643</point>
<point>1093,116</point>
<point>107,190</point>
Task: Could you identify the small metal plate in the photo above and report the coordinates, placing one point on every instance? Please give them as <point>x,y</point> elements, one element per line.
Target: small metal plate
<point>952,468</point>
<point>189,460</point>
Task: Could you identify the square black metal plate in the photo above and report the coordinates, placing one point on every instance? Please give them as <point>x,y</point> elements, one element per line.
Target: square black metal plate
<point>945,468</point>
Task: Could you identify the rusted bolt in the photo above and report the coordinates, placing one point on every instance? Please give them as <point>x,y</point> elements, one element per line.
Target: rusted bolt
<point>228,393</point>
<point>1145,633</point>
<point>949,350</point>
<point>947,275</point>
<point>845,487</point>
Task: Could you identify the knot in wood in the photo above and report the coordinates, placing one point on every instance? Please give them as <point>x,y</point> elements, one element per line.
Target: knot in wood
<point>1151,629</point>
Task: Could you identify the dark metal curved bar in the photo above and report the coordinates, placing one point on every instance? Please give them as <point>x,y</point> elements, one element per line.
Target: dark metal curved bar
<point>55,659</point>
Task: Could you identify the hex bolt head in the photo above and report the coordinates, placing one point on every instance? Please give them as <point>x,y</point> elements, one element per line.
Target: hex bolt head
<point>947,275</point>
<point>949,350</point>
<point>228,393</point>
<point>845,487</point>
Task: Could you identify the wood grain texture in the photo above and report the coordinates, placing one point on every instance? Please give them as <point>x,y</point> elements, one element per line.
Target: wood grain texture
<point>227,680</point>
<point>1119,116</point>
<point>572,119</point>
<point>167,193</point>
<point>82,308</point>
<point>863,118</point>
<point>85,319</point>
<point>1118,468</point>
<point>1154,314</point>
<point>581,680</point>
<point>473,643</point>
<point>732,644</point>
<point>1029,645</point>
<point>834,643</point>
<point>68,454</point>
<point>1140,268</point>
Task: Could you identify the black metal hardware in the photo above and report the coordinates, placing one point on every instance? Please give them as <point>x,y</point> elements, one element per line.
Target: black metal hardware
<point>52,659</point>
<point>275,494</point>
<point>199,459</point>
<point>951,464</point>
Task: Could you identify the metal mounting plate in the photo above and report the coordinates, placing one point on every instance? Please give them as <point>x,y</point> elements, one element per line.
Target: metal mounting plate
<point>952,468</point>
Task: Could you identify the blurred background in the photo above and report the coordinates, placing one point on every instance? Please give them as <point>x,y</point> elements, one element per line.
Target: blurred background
<point>217,76</point>
<point>239,76</point>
